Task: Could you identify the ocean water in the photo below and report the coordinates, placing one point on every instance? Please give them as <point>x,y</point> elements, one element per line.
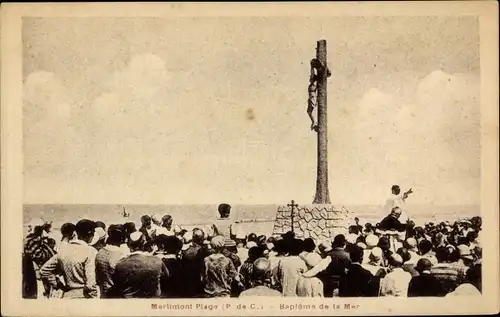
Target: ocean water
<point>255,218</point>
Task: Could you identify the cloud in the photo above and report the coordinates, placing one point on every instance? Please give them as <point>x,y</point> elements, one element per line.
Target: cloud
<point>427,137</point>
<point>45,99</point>
<point>49,139</point>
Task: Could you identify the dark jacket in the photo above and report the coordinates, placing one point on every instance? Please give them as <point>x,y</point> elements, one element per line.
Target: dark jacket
<point>358,282</point>
<point>340,260</point>
<point>391,223</point>
<point>425,285</point>
<point>138,276</point>
<point>192,263</point>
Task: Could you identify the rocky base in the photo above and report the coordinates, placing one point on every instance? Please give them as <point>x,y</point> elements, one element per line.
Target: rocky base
<point>320,222</point>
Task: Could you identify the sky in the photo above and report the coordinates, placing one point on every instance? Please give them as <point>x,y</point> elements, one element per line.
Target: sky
<point>204,110</point>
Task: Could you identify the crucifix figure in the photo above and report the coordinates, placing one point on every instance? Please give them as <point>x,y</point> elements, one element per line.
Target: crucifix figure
<point>293,205</point>
<point>317,101</point>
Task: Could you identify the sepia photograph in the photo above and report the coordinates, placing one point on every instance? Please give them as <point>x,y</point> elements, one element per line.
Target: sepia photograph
<point>220,158</point>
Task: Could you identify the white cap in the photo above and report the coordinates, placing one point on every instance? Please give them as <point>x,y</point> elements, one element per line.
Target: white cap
<point>99,234</point>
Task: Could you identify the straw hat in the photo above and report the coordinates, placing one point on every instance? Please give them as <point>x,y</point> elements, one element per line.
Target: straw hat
<point>371,241</point>
<point>465,252</point>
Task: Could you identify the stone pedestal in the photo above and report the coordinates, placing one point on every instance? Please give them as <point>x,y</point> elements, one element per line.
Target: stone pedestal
<point>320,222</point>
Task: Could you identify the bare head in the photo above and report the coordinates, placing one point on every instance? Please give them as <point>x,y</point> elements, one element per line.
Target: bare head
<point>395,189</point>
<point>396,212</point>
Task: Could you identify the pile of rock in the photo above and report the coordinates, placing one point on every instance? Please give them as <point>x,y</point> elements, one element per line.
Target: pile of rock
<point>320,222</point>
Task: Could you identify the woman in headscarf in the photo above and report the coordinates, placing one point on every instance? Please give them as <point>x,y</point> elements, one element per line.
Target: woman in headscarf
<point>219,271</point>
<point>310,286</point>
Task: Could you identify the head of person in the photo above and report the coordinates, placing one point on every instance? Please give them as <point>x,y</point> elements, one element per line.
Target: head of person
<point>146,221</point>
<point>442,254</point>
<point>128,228</point>
<point>395,260</point>
<point>323,248</point>
<point>369,227</point>
<point>173,245</point>
<point>395,189</point>
<point>68,231</point>
<point>411,244</point>
<point>472,236</point>
<point>353,230</point>
<point>396,212</point>
<point>352,238</point>
<point>375,256</point>
<point>261,240</point>
<point>371,241</point>
<point>160,243</point>
<point>423,266</point>
<point>230,245</point>
<point>85,230</point>
<point>254,253</point>
<point>356,254</point>
<point>252,237</point>
<point>166,222</point>
<point>424,247</point>
<point>309,245</point>
<point>137,241</point>
<point>312,259</point>
<point>296,246</point>
<point>405,255</point>
<point>339,241</point>
<point>116,235</point>
<point>476,222</point>
<point>198,236</point>
<point>261,272</point>
<point>99,239</point>
<point>279,247</point>
<point>218,243</point>
<point>47,226</point>
<point>384,243</point>
<point>289,235</point>
<point>100,224</point>
<point>465,254</point>
<point>224,210</point>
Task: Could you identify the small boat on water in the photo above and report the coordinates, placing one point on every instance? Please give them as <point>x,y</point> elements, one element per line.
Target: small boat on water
<point>125,214</point>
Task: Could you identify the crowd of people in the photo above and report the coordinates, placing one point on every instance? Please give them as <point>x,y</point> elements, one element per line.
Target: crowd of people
<point>161,260</point>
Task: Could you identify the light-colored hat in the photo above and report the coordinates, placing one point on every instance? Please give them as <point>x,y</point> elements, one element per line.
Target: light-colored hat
<point>218,242</point>
<point>99,234</point>
<point>351,238</point>
<point>412,243</point>
<point>396,258</point>
<point>312,259</point>
<point>371,241</point>
<point>135,236</point>
<point>465,252</point>
<point>376,254</point>
<point>325,246</point>
<point>251,244</point>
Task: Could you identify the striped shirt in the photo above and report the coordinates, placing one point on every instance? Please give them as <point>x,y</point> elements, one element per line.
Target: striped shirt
<point>39,248</point>
<point>76,261</point>
<point>449,275</point>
